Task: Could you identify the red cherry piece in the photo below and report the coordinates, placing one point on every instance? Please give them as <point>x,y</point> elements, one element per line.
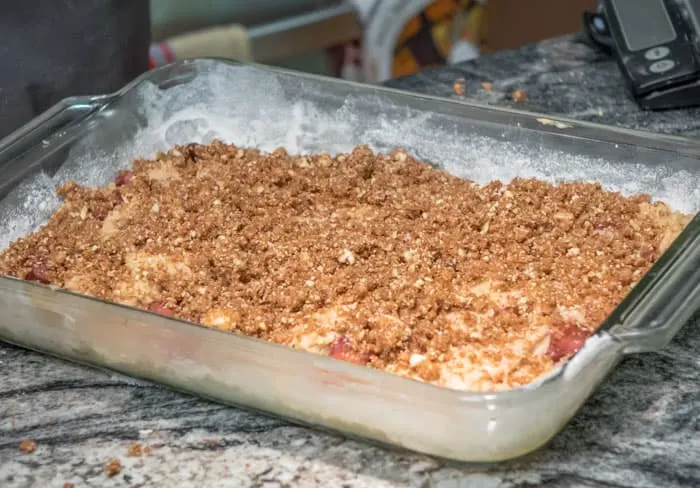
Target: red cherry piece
<point>342,349</point>
<point>38,273</point>
<point>124,178</point>
<point>566,340</point>
<point>161,309</point>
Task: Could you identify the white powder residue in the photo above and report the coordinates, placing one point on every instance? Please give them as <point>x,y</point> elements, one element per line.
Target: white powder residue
<point>254,107</point>
<point>26,208</point>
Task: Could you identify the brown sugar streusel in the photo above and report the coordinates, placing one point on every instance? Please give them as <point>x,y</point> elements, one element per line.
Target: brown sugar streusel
<point>376,259</point>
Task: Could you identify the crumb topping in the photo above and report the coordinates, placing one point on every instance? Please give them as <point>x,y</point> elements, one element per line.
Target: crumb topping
<point>376,259</point>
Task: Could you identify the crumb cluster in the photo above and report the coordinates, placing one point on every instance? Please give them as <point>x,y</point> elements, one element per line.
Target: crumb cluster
<point>27,446</point>
<point>377,259</point>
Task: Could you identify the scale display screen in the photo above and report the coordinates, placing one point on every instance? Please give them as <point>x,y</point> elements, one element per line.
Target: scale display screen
<point>644,23</point>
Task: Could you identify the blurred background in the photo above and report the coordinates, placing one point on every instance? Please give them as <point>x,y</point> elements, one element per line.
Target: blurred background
<point>52,49</point>
<point>363,40</point>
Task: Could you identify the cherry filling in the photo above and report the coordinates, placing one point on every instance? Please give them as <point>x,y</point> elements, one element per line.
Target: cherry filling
<point>161,309</point>
<point>38,273</point>
<point>124,178</point>
<point>566,339</point>
<point>342,349</point>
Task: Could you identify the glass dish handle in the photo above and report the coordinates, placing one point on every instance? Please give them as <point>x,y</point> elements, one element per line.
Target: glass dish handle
<point>49,124</point>
<point>670,299</point>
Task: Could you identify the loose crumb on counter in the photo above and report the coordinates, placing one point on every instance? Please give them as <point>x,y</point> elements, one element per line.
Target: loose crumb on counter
<point>379,260</point>
<point>459,87</point>
<point>518,96</point>
<point>135,450</point>
<point>27,446</point>
<point>113,467</point>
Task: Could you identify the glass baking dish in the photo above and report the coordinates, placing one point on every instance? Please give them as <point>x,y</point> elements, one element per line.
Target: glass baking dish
<point>89,138</point>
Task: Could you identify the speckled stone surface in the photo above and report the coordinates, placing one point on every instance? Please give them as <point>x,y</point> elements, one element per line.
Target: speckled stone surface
<point>561,76</point>
<point>641,428</point>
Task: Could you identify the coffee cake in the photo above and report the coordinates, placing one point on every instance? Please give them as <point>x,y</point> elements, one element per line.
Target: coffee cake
<point>376,259</point>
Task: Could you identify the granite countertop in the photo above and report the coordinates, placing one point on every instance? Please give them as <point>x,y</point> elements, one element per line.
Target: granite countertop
<point>641,428</point>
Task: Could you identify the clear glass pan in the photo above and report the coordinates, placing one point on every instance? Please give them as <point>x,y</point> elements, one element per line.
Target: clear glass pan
<point>89,138</point>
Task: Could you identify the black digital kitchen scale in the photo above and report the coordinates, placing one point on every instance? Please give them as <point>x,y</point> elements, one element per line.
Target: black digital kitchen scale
<point>656,44</point>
